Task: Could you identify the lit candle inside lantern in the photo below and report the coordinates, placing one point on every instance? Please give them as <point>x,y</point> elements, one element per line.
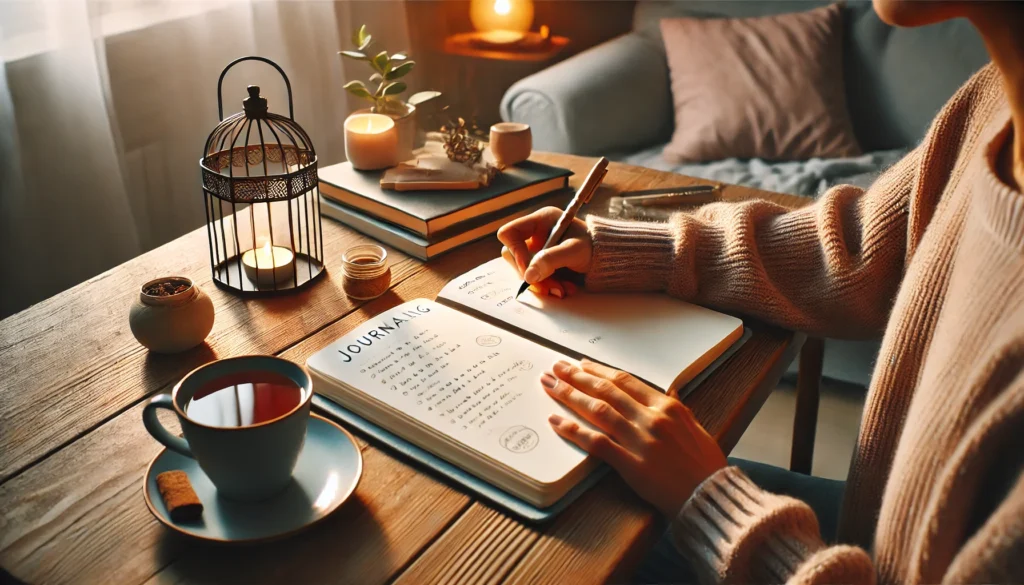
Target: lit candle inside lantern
<point>371,141</point>
<point>269,265</point>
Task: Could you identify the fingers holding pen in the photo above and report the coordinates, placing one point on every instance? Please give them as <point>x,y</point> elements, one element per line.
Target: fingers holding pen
<point>527,234</point>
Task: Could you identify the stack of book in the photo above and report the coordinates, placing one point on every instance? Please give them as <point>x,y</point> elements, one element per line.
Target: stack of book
<point>427,223</point>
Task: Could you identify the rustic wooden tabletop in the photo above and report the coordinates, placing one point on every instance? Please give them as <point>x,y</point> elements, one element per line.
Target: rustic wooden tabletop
<point>73,450</point>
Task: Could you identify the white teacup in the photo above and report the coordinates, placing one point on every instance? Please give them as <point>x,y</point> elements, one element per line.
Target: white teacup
<point>511,142</point>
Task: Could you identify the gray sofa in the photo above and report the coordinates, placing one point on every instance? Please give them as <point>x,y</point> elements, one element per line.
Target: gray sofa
<point>614,100</point>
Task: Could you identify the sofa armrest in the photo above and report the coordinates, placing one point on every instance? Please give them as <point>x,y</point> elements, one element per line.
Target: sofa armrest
<point>614,97</point>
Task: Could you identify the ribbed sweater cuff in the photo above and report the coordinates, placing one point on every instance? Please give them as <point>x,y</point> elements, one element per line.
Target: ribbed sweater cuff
<point>731,530</point>
<point>630,255</point>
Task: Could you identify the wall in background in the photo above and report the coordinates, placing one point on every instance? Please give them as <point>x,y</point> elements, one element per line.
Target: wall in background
<point>474,87</point>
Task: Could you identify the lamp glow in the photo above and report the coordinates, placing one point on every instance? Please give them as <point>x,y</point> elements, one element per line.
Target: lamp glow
<point>509,16</point>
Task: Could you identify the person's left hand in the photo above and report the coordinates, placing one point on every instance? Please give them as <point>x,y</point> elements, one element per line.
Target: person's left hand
<point>651,439</point>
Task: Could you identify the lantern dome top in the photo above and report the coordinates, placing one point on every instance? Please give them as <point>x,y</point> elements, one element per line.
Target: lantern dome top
<point>256,155</point>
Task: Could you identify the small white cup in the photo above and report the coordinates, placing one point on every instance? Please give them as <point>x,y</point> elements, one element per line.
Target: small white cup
<point>511,142</point>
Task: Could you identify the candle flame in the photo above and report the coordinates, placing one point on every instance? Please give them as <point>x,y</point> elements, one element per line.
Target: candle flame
<point>502,7</point>
<point>266,249</point>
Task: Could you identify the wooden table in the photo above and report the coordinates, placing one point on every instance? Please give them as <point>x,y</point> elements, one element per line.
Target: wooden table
<point>73,450</point>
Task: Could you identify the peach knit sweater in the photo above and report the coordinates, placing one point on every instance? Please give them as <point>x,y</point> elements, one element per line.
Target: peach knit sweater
<point>933,254</point>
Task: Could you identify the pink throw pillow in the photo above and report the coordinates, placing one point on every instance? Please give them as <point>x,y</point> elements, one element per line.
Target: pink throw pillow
<point>768,87</point>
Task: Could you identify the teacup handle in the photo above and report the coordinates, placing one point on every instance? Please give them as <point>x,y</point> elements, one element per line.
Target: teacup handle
<point>152,423</point>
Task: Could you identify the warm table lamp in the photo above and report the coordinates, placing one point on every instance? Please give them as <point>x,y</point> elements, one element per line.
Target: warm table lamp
<point>503,33</point>
<point>501,21</point>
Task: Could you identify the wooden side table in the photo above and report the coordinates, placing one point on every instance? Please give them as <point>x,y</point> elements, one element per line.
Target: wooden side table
<point>462,44</point>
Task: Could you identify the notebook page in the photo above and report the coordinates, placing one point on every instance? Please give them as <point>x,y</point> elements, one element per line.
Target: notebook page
<point>476,383</point>
<point>652,336</point>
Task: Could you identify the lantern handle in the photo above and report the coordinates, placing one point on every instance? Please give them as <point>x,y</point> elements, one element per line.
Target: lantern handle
<point>220,83</point>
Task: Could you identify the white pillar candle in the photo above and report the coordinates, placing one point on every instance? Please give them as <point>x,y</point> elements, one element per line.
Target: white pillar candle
<point>371,141</point>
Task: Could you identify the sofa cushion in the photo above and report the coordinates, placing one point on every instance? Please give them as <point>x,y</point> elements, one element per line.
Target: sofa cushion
<point>897,79</point>
<point>768,87</point>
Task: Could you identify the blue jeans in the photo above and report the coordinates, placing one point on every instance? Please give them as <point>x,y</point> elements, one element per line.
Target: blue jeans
<point>663,564</point>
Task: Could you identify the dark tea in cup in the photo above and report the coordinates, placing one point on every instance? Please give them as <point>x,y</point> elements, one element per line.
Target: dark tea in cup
<point>244,399</point>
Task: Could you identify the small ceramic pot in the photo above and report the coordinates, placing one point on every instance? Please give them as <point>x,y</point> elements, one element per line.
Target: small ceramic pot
<point>172,323</point>
<point>511,143</point>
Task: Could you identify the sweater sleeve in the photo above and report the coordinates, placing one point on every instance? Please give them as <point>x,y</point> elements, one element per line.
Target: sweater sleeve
<point>831,268</point>
<point>731,531</point>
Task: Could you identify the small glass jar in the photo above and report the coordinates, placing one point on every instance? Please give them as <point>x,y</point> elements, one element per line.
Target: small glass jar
<point>366,271</point>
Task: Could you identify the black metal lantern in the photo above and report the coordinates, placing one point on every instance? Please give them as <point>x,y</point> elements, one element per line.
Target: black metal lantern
<point>261,196</point>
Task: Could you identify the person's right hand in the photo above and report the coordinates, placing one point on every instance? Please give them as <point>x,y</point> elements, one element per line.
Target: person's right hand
<point>524,237</point>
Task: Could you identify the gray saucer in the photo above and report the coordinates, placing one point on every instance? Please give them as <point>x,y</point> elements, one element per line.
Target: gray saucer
<point>326,474</point>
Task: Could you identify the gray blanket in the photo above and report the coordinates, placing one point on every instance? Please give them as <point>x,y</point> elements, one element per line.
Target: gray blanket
<point>809,177</point>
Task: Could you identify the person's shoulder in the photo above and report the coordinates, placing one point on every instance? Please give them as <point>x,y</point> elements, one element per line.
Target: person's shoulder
<point>977,99</point>
<point>959,128</point>
<point>985,78</point>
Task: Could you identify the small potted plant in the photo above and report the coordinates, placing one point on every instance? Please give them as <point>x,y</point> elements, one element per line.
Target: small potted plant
<point>384,87</point>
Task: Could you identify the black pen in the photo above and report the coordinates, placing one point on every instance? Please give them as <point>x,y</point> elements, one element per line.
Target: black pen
<point>583,195</point>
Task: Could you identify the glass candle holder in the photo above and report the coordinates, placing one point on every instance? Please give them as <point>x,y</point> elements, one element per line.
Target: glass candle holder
<point>366,274</point>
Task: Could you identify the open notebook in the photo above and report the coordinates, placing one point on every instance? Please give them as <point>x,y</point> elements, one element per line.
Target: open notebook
<point>460,377</point>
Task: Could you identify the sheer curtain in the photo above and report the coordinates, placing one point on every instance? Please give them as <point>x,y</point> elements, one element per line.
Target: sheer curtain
<point>105,106</point>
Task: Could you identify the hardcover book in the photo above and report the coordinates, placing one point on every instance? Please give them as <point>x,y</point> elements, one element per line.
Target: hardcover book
<point>425,248</point>
<point>427,213</point>
<point>459,377</point>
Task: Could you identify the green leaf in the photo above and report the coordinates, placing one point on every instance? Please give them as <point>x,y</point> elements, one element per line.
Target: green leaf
<point>381,62</point>
<point>376,78</point>
<point>358,89</point>
<point>400,71</point>
<point>361,38</point>
<point>422,96</point>
<point>394,88</point>
<point>399,57</point>
<point>354,55</point>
